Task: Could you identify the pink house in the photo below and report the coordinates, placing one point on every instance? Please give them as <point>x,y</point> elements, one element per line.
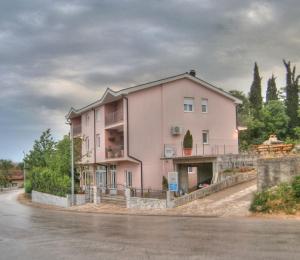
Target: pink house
<point>133,137</point>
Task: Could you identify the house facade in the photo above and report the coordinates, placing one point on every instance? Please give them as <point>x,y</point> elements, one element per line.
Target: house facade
<point>132,137</point>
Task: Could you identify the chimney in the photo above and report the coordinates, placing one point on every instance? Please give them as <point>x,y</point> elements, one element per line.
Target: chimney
<point>193,73</point>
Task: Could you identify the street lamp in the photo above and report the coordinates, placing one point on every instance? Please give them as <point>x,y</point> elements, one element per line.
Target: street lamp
<point>24,169</point>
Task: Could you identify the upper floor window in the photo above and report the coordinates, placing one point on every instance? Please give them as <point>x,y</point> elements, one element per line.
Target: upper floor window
<point>98,140</point>
<point>205,137</point>
<point>204,105</point>
<point>188,104</point>
<point>97,114</point>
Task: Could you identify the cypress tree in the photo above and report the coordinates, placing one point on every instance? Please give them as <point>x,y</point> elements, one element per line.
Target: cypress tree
<point>272,93</point>
<point>255,97</point>
<point>292,98</point>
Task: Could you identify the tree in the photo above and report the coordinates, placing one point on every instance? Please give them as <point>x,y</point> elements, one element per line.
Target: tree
<point>42,151</point>
<point>243,110</point>
<point>292,98</point>
<point>272,93</point>
<point>255,97</point>
<point>275,119</point>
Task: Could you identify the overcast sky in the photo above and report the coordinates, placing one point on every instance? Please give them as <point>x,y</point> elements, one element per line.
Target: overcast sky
<point>58,54</point>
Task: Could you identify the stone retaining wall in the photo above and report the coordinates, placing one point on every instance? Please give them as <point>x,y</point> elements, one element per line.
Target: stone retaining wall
<point>272,171</point>
<point>49,199</point>
<point>230,181</point>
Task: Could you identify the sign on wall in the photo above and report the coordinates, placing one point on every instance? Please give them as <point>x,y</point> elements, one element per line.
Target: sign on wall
<point>173,181</point>
<point>170,151</point>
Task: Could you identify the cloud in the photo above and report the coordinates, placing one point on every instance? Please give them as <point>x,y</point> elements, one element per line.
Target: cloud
<point>58,54</point>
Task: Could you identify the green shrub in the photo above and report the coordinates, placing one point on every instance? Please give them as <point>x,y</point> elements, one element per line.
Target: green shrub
<point>28,186</point>
<point>296,186</point>
<point>48,181</point>
<point>188,140</point>
<point>277,199</point>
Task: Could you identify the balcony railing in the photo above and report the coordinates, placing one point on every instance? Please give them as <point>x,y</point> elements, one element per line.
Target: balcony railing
<point>199,149</point>
<point>115,152</point>
<point>114,117</point>
<point>76,130</point>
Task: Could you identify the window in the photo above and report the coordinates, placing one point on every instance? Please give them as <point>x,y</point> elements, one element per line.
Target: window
<point>87,144</point>
<point>98,140</point>
<point>97,115</point>
<point>190,169</point>
<point>204,105</point>
<point>205,137</point>
<point>128,178</point>
<point>188,104</point>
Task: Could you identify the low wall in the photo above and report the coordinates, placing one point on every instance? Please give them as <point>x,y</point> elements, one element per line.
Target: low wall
<point>230,181</point>
<point>2,189</point>
<point>49,199</point>
<point>145,203</point>
<point>231,161</point>
<point>272,171</point>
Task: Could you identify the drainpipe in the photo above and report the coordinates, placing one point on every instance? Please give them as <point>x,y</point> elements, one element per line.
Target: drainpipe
<point>130,156</point>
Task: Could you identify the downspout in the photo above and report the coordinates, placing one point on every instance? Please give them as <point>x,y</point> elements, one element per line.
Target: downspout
<point>128,154</point>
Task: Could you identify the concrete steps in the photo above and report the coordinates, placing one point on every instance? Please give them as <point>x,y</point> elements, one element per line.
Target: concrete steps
<point>116,200</point>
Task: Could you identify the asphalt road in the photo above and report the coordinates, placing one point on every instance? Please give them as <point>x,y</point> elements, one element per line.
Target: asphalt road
<point>34,233</point>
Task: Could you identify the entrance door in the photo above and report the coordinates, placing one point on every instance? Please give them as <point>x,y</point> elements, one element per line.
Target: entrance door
<point>101,178</point>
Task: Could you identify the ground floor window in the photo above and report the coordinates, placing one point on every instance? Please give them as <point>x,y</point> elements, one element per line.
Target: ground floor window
<point>100,178</point>
<point>128,178</point>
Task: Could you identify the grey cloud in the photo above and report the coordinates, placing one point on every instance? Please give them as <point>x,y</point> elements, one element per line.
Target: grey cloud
<point>95,44</point>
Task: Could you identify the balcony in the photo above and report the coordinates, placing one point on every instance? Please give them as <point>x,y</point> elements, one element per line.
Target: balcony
<point>199,149</point>
<point>114,117</point>
<point>115,152</point>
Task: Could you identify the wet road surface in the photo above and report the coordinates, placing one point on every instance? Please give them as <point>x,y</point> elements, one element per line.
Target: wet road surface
<point>34,233</point>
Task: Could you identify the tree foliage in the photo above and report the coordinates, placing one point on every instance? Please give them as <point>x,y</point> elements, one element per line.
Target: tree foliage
<point>255,97</point>
<point>272,93</point>
<point>292,98</point>
<point>48,165</point>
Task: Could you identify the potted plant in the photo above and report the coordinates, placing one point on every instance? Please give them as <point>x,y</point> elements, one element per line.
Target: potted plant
<point>109,152</point>
<point>188,143</point>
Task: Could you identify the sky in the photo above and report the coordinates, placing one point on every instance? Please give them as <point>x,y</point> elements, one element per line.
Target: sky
<point>58,54</point>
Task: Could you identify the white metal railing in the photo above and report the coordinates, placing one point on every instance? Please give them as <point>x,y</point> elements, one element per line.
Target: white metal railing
<point>114,117</point>
<point>115,152</point>
<point>198,149</point>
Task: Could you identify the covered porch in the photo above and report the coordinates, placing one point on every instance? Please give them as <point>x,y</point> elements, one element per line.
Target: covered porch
<point>195,172</point>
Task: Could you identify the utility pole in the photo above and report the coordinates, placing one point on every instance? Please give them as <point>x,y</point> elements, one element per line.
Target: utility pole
<point>72,163</point>
<point>24,169</point>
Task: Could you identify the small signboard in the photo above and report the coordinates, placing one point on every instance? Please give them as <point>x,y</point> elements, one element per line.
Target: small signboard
<point>173,181</point>
<point>169,151</point>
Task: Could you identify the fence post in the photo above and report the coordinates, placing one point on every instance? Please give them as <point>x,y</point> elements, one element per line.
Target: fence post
<point>170,201</point>
<point>127,197</point>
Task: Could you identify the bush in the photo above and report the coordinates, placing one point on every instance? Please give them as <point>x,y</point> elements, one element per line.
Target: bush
<point>296,186</point>
<point>188,140</point>
<point>28,186</point>
<point>277,199</point>
<point>48,181</point>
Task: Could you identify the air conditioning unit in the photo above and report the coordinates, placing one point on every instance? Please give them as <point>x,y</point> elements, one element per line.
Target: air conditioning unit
<point>176,130</point>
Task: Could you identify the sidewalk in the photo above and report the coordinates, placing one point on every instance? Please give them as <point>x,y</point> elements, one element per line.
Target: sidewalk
<point>233,202</point>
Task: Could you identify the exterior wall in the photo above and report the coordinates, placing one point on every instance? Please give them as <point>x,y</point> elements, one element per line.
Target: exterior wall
<point>152,113</point>
<point>53,200</point>
<point>145,133</point>
<point>88,131</point>
<point>220,120</point>
<point>145,203</point>
<point>100,125</point>
<point>273,171</point>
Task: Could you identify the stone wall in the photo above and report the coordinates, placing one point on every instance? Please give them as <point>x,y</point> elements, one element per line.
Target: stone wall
<point>49,199</point>
<point>145,203</point>
<point>272,171</point>
<point>231,161</point>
